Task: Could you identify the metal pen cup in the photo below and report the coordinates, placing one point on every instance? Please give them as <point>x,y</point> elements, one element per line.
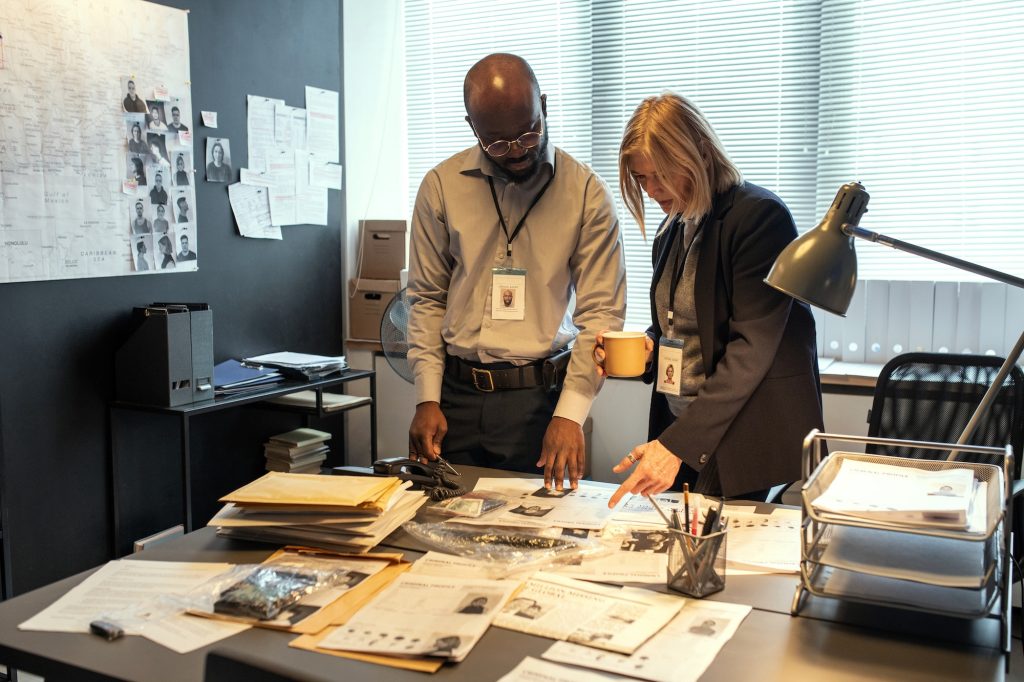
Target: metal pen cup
<point>696,563</point>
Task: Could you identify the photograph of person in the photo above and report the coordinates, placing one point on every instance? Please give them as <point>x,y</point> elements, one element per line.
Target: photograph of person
<point>136,143</point>
<point>748,388</point>
<point>652,541</point>
<point>176,125</point>
<point>157,193</point>
<point>156,117</point>
<point>706,628</point>
<point>160,223</point>
<point>531,510</point>
<point>182,165</point>
<point>158,149</point>
<point>218,160</point>
<point>183,210</point>
<point>132,102</point>
<point>187,254</point>
<point>167,257</point>
<point>141,256</point>
<point>136,170</point>
<point>508,297</point>
<point>444,646</point>
<point>140,224</point>
<point>670,372</point>
<point>544,492</point>
<point>474,604</point>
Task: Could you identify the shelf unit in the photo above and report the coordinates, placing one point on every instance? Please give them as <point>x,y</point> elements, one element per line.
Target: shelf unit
<point>175,423</point>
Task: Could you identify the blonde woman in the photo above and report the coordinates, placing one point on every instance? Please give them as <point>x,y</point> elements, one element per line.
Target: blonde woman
<point>745,389</point>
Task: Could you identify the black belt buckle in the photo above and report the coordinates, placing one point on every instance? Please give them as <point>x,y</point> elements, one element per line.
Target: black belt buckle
<point>477,373</point>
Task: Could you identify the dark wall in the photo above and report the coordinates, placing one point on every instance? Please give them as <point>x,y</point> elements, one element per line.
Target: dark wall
<point>59,337</point>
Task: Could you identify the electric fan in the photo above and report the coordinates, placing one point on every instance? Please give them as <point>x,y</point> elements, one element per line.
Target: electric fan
<point>393,335</point>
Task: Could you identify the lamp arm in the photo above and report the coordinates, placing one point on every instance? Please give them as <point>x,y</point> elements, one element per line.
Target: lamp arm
<point>1011,358</point>
<point>861,233</point>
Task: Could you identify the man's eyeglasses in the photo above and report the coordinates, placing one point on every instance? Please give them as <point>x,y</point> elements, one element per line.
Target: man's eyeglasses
<point>527,140</point>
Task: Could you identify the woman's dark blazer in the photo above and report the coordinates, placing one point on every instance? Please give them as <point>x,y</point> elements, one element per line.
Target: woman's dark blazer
<point>761,394</point>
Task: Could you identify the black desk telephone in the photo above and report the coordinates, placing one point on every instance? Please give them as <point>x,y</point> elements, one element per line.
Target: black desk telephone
<point>432,476</point>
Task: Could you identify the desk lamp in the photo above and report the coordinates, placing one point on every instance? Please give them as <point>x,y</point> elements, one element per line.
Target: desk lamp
<point>820,269</point>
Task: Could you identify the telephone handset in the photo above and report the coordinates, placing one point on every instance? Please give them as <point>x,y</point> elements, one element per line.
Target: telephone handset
<point>406,469</point>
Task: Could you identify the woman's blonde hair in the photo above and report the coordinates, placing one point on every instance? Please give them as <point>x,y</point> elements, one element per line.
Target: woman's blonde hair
<point>672,132</point>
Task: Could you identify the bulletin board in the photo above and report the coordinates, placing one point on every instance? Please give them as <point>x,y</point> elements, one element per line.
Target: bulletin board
<point>72,180</point>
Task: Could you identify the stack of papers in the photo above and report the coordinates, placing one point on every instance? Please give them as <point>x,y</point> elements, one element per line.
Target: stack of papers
<point>901,494</point>
<point>301,365</point>
<point>329,402</point>
<point>231,376</point>
<point>299,452</point>
<point>348,513</point>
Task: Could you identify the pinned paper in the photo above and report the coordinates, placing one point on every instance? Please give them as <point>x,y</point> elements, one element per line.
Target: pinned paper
<point>324,174</point>
<point>254,177</point>
<point>185,136</point>
<point>160,92</point>
<point>129,186</point>
<point>210,119</point>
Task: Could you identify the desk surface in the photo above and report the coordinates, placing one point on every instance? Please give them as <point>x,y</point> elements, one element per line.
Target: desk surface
<point>832,641</point>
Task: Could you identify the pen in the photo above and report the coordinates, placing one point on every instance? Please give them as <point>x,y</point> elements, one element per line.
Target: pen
<point>660,511</point>
<point>686,504</point>
<point>693,525</point>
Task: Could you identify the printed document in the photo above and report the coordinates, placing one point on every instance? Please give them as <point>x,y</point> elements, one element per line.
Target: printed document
<point>322,123</point>
<point>680,652</point>
<point>532,669</point>
<point>615,619</point>
<point>420,615</point>
<point>638,509</point>
<point>251,206</point>
<point>530,505</point>
<point>260,121</point>
<point>762,543</point>
<point>641,557</point>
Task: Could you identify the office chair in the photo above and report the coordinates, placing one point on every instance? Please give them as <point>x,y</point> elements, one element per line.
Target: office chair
<point>931,397</point>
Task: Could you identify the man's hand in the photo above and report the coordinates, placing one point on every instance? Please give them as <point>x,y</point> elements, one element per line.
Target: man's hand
<point>655,471</point>
<point>428,429</point>
<point>563,450</point>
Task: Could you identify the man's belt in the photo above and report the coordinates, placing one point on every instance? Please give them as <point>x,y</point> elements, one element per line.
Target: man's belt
<point>489,380</point>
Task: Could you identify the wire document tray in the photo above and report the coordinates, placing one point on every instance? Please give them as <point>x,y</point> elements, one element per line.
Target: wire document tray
<point>919,565</point>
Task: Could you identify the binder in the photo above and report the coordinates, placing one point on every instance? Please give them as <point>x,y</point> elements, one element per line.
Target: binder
<point>201,344</point>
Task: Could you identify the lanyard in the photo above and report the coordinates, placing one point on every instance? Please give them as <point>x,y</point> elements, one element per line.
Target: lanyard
<point>497,209</point>
<point>677,269</point>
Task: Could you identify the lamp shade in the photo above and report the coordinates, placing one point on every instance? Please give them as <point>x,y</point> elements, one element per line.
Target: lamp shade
<point>820,267</point>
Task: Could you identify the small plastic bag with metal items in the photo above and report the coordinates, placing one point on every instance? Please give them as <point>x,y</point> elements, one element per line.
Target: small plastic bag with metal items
<point>473,504</point>
<point>508,550</point>
<point>259,592</point>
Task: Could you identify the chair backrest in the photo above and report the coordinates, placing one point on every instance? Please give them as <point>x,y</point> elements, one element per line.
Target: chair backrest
<point>931,397</point>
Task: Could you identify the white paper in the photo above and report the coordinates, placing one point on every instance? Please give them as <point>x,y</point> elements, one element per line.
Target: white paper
<point>451,566</point>
<point>762,543</point>
<point>535,670</point>
<point>118,586</point>
<point>451,614</point>
<point>251,206</point>
<point>322,122</point>
<point>183,633</point>
<point>680,652</point>
<point>283,204</point>
<point>530,505</point>
<point>290,127</point>
<point>324,174</point>
<point>247,176</point>
<point>310,202</point>
<point>640,556</point>
<point>597,616</point>
<point>210,119</point>
<point>638,509</point>
<point>260,126</point>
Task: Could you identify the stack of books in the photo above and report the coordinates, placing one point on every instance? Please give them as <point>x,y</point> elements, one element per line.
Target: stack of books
<point>298,452</point>
<point>348,513</point>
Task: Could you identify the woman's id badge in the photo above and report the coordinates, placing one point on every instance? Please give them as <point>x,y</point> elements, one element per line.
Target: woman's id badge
<point>508,294</point>
<point>670,360</point>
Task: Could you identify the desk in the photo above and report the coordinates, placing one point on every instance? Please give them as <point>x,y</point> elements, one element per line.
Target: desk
<point>136,430</point>
<point>830,643</point>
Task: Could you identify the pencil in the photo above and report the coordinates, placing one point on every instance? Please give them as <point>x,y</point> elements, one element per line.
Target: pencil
<point>660,511</point>
<point>686,505</point>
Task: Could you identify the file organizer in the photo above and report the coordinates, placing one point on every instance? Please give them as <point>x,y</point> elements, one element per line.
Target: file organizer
<point>888,563</point>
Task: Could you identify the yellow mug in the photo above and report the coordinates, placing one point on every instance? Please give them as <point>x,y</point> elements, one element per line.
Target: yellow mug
<point>625,353</point>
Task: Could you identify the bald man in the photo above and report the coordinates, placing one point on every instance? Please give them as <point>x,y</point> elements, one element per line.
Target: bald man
<point>495,385</point>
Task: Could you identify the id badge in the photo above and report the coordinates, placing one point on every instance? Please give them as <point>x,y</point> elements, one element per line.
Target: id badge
<point>508,294</point>
<point>670,361</point>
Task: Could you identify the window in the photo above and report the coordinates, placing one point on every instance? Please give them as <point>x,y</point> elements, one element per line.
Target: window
<point>920,101</point>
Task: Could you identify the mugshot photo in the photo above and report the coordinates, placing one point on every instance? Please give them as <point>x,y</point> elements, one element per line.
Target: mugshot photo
<point>138,220</point>
<point>143,250</point>
<point>157,143</point>
<point>135,165</point>
<point>182,203</point>
<point>157,184</point>
<point>186,259</point>
<point>218,160</point>
<point>133,132</point>
<point>182,170</point>
<point>174,115</point>
<point>155,116</point>
<point>132,96</point>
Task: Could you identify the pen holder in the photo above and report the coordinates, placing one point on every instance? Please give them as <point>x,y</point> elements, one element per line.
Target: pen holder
<point>696,563</point>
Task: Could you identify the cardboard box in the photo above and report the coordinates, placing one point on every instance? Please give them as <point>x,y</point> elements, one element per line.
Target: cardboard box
<point>368,299</point>
<point>381,249</point>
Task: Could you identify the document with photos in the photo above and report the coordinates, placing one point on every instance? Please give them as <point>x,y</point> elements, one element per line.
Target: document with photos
<point>421,615</point>
<point>638,509</point>
<point>452,566</point>
<point>900,494</point>
<point>641,556</point>
<point>680,652</point>
<point>762,543</point>
<point>531,505</point>
<point>615,619</point>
